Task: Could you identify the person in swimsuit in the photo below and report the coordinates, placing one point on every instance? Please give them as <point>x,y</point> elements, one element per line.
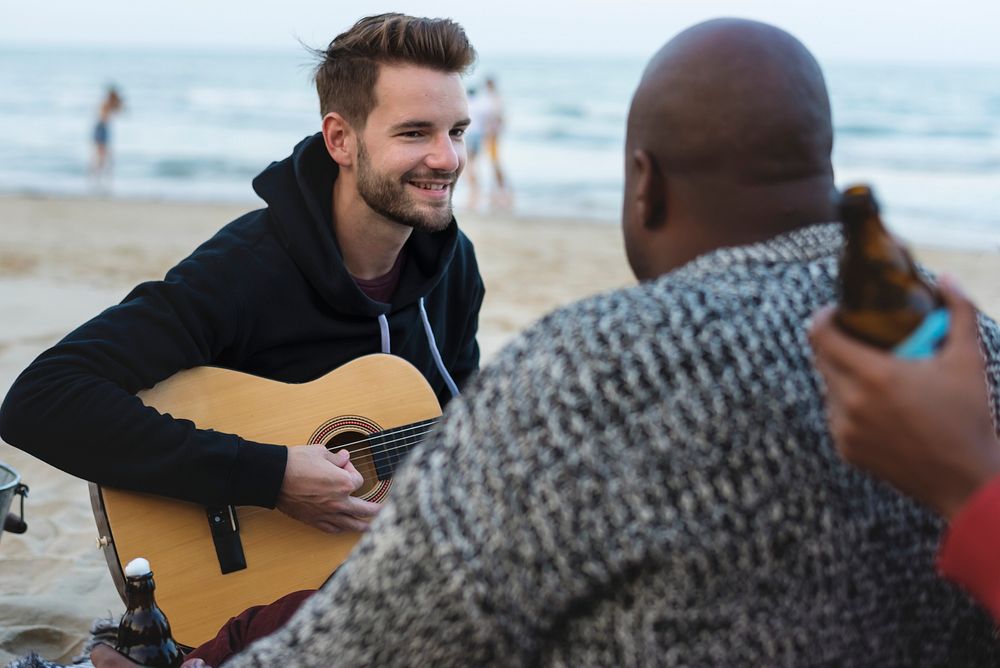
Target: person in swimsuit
<point>111,105</point>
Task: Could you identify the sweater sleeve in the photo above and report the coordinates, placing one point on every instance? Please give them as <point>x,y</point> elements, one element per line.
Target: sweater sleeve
<point>75,406</point>
<point>970,552</point>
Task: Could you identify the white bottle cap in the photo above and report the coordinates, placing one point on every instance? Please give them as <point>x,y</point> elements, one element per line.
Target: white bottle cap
<point>137,567</point>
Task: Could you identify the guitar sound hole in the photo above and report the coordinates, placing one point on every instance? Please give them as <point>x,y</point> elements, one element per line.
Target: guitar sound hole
<point>356,443</point>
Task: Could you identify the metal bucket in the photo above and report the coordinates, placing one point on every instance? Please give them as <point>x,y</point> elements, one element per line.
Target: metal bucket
<point>11,486</point>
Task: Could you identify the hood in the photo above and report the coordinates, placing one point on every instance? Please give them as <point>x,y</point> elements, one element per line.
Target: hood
<point>299,195</point>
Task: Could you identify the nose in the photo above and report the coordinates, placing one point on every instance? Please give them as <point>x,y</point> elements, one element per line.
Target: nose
<point>446,155</point>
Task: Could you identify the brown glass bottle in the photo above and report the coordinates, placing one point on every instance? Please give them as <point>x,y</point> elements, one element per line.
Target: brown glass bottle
<point>883,298</point>
<point>144,632</point>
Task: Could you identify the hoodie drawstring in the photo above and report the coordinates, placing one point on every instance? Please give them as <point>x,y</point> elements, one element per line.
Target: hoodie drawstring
<point>383,325</point>
<point>452,387</point>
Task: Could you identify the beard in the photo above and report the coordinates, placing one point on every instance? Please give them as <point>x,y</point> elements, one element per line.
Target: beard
<point>388,197</point>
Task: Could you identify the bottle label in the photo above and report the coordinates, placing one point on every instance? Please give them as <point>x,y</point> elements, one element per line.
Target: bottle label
<point>925,339</point>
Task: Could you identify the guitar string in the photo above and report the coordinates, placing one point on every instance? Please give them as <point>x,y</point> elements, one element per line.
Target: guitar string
<point>372,455</point>
<point>394,431</point>
<point>391,464</point>
<point>405,445</point>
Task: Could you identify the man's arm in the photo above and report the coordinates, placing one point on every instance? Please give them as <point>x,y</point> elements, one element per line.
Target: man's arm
<point>75,406</point>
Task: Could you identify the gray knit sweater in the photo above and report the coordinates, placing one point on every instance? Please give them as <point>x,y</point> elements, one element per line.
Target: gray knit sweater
<point>646,478</point>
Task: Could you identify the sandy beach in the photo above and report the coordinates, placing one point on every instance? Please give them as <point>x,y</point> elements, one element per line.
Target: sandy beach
<point>64,260</point>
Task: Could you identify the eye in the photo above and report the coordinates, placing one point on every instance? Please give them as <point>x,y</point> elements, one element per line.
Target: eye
<point>458,132</point>
<point>412,134</point>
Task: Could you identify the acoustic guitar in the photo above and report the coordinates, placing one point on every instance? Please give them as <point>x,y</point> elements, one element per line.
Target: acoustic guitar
<point>212,563</point>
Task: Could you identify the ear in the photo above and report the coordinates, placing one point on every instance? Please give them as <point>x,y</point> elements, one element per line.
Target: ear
<point>340,139</point>
<point>650,192</point>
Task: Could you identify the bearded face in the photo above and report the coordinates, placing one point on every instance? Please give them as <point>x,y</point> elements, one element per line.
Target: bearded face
<point>420,198</point>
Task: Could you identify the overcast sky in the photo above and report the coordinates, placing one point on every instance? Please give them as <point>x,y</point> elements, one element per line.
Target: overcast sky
<point>837,30</point>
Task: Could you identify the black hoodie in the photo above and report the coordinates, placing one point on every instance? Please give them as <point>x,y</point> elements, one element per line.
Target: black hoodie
<point>268,295</point>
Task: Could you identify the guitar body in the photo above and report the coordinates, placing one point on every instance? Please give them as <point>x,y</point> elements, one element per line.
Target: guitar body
<point>366,396</point>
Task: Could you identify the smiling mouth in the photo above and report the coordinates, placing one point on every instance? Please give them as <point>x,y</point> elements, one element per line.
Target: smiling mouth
<point>423,185</point>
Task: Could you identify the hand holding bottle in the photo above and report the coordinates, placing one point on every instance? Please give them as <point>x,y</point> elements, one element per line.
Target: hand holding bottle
<point>102,656</point>
<point>922,425</point>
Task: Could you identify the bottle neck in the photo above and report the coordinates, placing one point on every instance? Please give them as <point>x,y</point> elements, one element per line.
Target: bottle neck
<point>860,232</point>
<point>882,296</point>
<point>139,590</point>
<point>870,248</point>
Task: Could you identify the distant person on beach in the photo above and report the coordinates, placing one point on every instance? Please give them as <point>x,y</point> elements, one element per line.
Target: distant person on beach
<point>486,110</point>
<point>925,427</point>
<point>647,476</point>
<point>474,144</point>
<point>357,252</point>
<point>110,106</point>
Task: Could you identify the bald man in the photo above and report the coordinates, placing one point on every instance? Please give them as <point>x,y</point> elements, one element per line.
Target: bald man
<point>646,477</point>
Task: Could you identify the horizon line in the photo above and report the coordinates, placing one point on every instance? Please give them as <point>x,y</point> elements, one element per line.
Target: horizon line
<point>244,49</point>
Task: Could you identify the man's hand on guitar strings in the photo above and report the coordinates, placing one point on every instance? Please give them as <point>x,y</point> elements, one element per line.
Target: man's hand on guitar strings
<point>317,490</point>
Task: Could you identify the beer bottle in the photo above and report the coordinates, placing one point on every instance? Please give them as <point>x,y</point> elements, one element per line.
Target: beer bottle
<point>144,633</point>
<point>883,298</point>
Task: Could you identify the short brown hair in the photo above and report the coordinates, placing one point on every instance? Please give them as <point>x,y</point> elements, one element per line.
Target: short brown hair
<point>346,75</point>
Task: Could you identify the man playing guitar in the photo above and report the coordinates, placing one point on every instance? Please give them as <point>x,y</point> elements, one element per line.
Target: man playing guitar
<point>357,252</point>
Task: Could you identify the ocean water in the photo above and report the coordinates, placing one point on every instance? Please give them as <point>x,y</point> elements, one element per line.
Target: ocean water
<point>200,126</point>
